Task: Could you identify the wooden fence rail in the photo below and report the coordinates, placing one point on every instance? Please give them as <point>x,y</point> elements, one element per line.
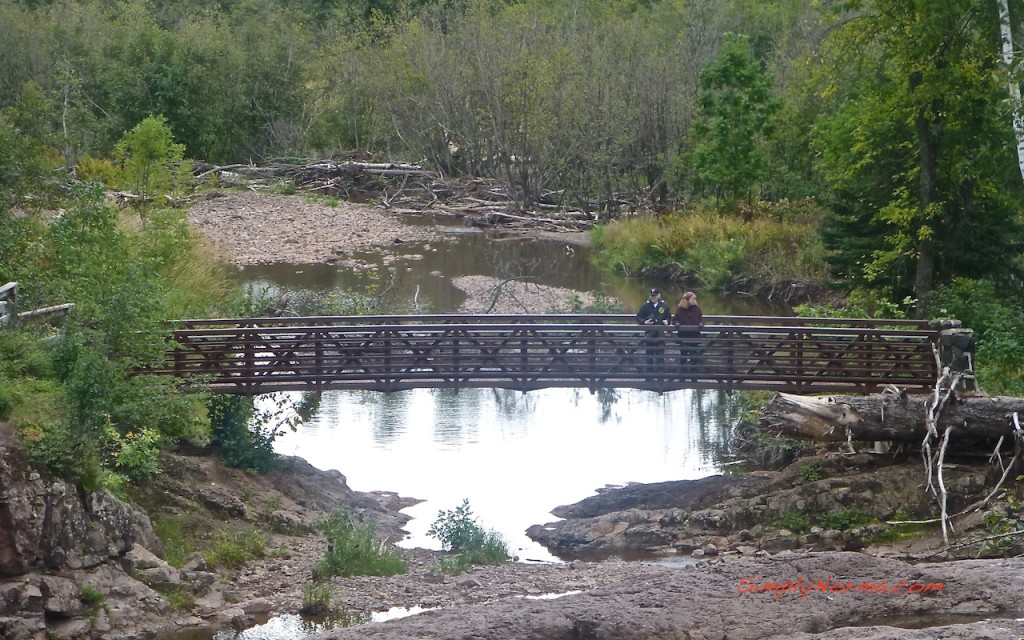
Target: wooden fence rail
<point>391,353</point>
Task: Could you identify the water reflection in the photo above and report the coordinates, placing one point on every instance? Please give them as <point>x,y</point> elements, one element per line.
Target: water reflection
<point>283,627</point>
<point>514,456</point>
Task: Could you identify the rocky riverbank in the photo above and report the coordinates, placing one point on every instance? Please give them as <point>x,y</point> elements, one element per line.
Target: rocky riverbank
<point>83,566</point>
<point>821,503</point>
<point>830,595</point>
<point>248,227</point>
<point>78,566</point>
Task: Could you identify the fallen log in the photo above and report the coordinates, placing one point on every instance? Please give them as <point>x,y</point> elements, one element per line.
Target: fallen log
<point>887,417</point>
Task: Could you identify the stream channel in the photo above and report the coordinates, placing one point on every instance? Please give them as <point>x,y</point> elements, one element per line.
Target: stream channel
<point>513,455</point>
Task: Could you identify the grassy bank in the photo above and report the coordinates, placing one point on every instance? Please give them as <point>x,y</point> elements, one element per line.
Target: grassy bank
<point>751,248</point>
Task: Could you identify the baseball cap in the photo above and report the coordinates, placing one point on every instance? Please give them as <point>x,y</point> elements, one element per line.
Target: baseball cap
<point>655,292</point>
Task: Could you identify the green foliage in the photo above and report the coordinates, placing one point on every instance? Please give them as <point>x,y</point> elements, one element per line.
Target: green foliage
<point>843,520</point>
<point>736,104</point>
<point>997,317</point>
<point>459,532</point>
<point>811,472</point>
<point>793,521</point>
<point>32,116</point>
<point>181,599</point>
<point>231,550</point>
<point>152,165</point>
<point>457,529</point>
<point>1004,525</point>
<point>798,522</point>
<point>896,531</point>
<point>859,303</point>
<point>718,249</point>
<point>91,596</point>
<point>175,536</point>
<point>916,108</point>
<point>232,437</point>
<point>244,436</point>
<point>316,598</point>
<point>353,550</point>
<point>123,282</point>
<point>29,394</point>
<point>137,454</point>
<point>100,170</point>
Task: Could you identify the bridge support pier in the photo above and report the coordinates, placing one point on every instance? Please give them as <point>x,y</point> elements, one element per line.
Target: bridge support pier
<point>956,351</point>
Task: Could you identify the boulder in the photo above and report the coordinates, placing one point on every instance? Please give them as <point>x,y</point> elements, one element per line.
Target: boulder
<point>60,597</point>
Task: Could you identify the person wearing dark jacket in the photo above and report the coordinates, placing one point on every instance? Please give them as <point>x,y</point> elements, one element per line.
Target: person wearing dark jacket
<point>654,312</point>
<point>689,318</point>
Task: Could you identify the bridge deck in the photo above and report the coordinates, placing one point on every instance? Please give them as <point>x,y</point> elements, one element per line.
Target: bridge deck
<point>391,353</point>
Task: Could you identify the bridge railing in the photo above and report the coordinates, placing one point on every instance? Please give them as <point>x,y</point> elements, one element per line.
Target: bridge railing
<point>250,356</point>
<point>572,318</point>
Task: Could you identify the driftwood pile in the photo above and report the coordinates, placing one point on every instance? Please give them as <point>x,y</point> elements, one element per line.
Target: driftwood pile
<point>404,188</point>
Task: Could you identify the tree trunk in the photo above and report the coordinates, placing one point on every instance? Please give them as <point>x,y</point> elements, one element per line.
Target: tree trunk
<point>1006,36</point>
<point>882,417</point>
<point>929,127</point>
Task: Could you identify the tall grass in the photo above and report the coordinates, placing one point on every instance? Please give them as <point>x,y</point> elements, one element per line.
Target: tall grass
<point>354,550</point>
<point>716,248</point>
<point>232,550</point>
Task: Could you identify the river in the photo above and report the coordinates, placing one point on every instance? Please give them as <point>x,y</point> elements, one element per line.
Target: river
<point>514,456</point>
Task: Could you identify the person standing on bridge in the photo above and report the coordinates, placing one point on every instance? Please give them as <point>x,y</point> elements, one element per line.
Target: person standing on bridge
<point>689,318</point>
<point>654,312</point>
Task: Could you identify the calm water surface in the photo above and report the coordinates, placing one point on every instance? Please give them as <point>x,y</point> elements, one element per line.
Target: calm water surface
<point>514,456</point>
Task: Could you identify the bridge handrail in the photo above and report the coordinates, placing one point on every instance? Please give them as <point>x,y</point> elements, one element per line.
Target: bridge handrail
<point>538,319</point>
<point>633,328</point>
<point>799,355</point>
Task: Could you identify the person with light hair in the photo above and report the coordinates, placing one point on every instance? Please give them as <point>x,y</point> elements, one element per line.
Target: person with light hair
<point>689,318</point>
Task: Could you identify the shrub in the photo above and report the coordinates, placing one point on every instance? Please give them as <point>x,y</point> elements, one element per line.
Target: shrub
<point>793,521</point>
<point>181,599</point>
<point>236,437</point>
<point>1005,526</point>
<point>91,596</point>
<point>151,163</point>
<point>233,550</point>
<point>353,550</point>
<point>998,323</point>
<point>811,472</point>
<point>845,519</point>
<point>459,532</point>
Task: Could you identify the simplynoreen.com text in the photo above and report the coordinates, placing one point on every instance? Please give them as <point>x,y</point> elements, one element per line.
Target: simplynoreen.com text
<point>803,587</point>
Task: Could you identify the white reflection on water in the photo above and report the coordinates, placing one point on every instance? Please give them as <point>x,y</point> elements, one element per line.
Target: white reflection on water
<point>514,456</point>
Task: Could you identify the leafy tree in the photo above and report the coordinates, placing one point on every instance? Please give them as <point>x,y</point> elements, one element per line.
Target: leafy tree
<point>918,152</point>
<point>151,162</point>
<point>734,121</point>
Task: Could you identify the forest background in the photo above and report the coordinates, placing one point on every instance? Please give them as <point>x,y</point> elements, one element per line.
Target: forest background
<point>868,144</point>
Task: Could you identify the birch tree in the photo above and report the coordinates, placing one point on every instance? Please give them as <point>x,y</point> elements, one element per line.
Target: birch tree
<point>1006,36</point>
